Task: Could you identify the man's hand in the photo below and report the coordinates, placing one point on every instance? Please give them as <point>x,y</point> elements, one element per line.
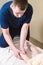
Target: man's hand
<point>17,53</point>
<point>24,51</point>
<point>25,57</point>
<point>26,44</point>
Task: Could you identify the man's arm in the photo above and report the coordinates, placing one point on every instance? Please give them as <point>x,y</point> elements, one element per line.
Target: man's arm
<point>23,35</point>
<point>8,37</point>
<point>10,42</point>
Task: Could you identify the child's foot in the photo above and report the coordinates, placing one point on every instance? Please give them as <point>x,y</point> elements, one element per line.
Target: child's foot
<point>34,50</point>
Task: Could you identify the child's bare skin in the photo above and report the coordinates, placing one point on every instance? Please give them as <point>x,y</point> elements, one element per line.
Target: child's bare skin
<point>37,60</point>
<point>33,50</point>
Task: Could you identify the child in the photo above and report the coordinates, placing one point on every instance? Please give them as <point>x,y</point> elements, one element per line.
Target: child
<point>15,20</point>
<point>37,60</point>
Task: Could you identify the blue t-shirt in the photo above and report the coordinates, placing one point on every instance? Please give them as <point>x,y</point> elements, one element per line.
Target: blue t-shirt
<point>8,20</point>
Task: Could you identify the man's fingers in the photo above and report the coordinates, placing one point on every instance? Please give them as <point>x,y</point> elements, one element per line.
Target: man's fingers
<point>24,51</point>
<point>19,56</point>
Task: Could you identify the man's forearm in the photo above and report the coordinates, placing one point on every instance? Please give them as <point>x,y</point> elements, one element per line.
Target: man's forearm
<point>9,41</point>
<point>23,35</point>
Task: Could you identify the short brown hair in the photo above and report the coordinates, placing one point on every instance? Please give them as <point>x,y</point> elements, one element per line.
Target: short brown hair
<point>21,3</point>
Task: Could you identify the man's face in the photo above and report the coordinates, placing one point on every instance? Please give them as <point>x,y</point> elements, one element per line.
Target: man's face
<point>17,12</point>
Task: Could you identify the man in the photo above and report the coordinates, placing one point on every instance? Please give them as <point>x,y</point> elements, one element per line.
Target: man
<point>15,21</point>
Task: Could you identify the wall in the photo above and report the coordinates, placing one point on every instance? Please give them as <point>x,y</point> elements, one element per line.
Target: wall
<point>37,20</point>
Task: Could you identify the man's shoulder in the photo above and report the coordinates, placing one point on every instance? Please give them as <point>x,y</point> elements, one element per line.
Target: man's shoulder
<point>30,8</point>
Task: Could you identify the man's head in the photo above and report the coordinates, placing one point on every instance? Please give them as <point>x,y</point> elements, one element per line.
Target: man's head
<point>20,6</point>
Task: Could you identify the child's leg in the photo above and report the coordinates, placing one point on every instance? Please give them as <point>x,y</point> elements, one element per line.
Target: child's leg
<point>37,60</point>
<point>32,48</point>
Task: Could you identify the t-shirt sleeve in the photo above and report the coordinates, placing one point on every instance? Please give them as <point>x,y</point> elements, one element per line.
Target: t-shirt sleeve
<point>29,15</point>
<point>3,19</point>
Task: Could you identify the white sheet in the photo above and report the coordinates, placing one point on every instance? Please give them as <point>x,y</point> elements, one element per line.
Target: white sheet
<point>7,57</point>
